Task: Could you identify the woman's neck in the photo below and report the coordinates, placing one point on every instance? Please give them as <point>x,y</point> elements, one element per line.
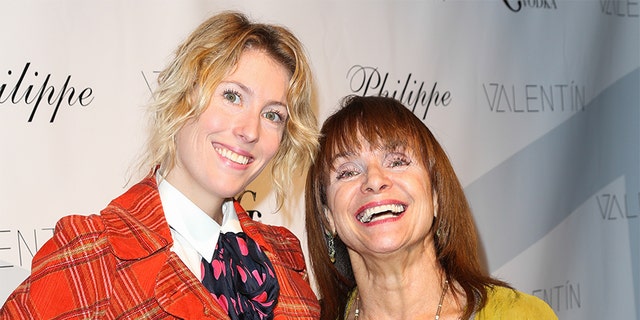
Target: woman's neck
<point>407,285</point>
<point>211,205</point>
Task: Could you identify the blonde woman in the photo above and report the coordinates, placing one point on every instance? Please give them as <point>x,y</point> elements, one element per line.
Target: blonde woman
<point>177,245</point>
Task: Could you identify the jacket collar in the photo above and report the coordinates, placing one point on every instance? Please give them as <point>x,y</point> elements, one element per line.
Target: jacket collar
<point>136,228</point>
<point>252,228</point>
<point>134,222</point>
<point>278,243</point>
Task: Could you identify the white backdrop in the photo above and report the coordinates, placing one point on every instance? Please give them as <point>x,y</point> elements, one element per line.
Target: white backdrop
<point>536,101</point>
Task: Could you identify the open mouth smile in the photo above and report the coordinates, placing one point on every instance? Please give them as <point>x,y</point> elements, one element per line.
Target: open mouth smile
<point>380,212</point>
<point>234,157</point>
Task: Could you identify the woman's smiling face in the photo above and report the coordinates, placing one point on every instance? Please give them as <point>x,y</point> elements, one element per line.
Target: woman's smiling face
<point>222,151</point>
<point>380,201</point>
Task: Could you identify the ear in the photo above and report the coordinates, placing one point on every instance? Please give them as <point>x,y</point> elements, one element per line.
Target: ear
<point>331,227</point>
<point>435,203</point>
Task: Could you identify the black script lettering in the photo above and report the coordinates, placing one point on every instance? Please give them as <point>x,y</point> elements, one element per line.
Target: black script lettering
<point>434,97</point>
<point>367,80</point>
<point>14,91</point>
<point>362,78</point>
<point>44,90</point>
<point>511,7</point>
<point>561,297</point>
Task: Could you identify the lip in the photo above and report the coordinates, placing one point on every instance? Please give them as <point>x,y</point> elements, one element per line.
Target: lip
<point>398,207</point>
<point>234,156</point>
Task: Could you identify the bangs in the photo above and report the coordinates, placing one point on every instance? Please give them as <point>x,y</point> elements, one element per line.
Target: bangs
<point>381,125</point>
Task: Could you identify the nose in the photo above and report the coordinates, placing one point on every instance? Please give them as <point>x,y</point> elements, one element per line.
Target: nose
<point>376,180</point>
<point>247,127</point>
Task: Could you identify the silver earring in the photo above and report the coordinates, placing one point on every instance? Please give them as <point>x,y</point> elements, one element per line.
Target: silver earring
<point>332,250</point>
<point>332,246</point>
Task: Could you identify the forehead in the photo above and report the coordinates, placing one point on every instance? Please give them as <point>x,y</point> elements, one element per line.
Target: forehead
<point>355,143</point>
<point>258,74</point>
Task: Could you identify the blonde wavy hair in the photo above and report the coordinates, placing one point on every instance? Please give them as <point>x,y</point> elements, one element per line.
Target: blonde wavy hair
<point>210,53</point>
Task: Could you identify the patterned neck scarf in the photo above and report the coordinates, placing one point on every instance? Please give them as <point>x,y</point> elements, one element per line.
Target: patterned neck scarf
<point>241,278</point>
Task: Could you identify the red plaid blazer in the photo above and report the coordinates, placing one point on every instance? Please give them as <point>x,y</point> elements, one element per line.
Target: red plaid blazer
<point>119,265</point>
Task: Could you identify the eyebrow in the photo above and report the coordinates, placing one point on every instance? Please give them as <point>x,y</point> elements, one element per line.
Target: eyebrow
<point>337,156</point>
<point>251,92</point>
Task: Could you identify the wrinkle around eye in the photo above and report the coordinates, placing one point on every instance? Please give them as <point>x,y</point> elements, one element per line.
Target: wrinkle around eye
<point>347,171</point>
<point>396,159</point>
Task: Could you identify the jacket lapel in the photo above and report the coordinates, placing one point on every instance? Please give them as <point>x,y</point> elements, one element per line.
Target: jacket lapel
<point>250,227</point>
<point>180,293</point>
<point>137,230</point>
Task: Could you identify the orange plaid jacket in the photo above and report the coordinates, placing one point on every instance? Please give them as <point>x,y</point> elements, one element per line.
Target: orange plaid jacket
<point>119,265</point>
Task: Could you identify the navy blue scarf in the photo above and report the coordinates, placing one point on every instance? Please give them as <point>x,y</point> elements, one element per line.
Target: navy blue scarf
<point>241,278</point>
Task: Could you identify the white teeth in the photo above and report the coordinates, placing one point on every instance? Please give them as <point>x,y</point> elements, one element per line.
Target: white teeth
<point>232,156</point>
<point>369,213</point>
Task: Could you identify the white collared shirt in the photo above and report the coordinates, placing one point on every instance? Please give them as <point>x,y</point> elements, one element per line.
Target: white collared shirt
<point>194,233</point>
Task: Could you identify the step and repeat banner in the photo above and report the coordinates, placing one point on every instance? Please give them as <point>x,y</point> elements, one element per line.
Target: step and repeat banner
<point>537,103</point>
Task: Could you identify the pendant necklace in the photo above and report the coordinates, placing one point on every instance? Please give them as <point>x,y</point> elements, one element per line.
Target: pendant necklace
<point>445,287</point>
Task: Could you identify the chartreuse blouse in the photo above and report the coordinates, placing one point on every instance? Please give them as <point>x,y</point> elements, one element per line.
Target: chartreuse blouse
<point>502,304</point>
<point>505,303</point>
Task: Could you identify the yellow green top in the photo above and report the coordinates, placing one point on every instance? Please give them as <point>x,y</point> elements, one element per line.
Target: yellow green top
<point>505,303</point>
<point>502,304</point>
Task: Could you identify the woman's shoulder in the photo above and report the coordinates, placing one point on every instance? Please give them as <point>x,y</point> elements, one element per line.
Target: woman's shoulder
<point>278,241</point>
<point>279,238</point>
<point>507,303</point>
<point>73,236</point>
<point>116,216</point>
<point>72,228</point>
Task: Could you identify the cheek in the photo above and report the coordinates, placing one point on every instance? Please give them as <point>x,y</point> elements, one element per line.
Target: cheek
<point>331,197</point>
<point>338,200</point>
<point>271,144</point>
<point>209,122</point>
<point>185,137</point>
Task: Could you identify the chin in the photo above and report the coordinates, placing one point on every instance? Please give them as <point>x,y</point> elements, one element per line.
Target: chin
<point>387,248</point>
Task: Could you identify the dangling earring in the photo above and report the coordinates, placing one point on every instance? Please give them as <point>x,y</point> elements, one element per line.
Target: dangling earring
<point>442,233</point>
<point>330,235</point>
<point>332,246</point>
<point>332,250</point>
<point>435,213</point>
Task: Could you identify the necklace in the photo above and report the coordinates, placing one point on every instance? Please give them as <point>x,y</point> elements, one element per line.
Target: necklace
<point>445,287</point>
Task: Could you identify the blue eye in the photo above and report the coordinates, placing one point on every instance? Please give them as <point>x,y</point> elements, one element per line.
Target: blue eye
<point>232,96</point>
